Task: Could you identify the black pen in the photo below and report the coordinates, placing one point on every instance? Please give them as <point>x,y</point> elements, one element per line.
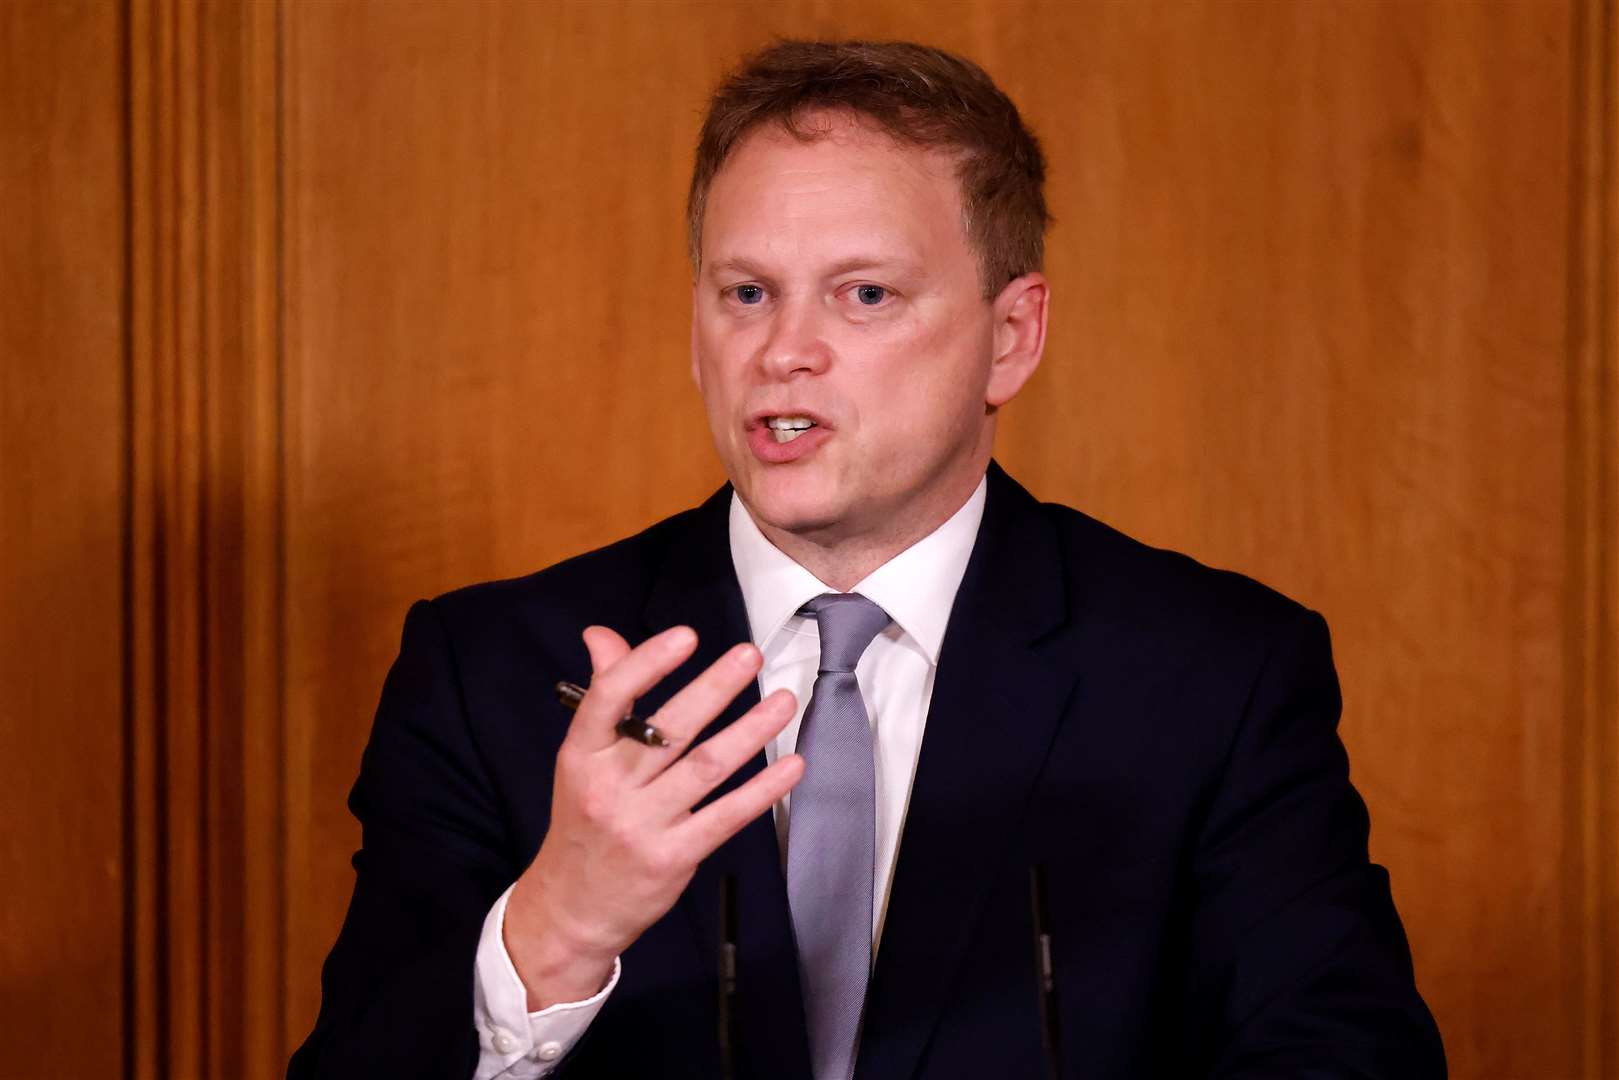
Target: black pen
<point>629,727</point>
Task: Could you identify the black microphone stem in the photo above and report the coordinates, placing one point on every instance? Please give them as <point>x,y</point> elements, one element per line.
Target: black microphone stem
<point>1045,973</point>
<point>727,967</point>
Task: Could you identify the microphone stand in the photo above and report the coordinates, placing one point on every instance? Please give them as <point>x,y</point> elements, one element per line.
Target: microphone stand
<point>1045,976</point>
<point>727,968</point>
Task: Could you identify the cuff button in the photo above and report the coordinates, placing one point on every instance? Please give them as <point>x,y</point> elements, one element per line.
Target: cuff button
<point>549,1051</point>
<point>505,1042</point>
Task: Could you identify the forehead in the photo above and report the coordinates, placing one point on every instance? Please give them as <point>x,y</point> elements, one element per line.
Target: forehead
<point>852,183</point>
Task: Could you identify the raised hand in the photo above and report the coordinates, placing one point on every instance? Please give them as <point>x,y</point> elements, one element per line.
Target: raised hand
<point>623,840</point>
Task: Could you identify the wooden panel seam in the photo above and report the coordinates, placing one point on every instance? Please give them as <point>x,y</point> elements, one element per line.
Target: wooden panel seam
<point>202,788</point>
<point>1591,652</point>
<point>129,1002</point>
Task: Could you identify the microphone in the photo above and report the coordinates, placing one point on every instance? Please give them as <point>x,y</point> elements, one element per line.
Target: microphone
<point>727,968</point>
<point>1045,976</point>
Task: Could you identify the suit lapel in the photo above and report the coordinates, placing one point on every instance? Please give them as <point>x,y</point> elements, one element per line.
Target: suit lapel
<point>697,587</point>
<point>997,699</point>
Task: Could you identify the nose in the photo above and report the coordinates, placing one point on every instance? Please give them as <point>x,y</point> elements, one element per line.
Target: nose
<point>795,345</point>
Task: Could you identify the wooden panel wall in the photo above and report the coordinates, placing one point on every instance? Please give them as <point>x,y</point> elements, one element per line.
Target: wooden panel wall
<point>311,309</point>
<point>63,524</point>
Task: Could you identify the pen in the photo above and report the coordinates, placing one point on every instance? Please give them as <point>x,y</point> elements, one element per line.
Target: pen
<point>629,727</point>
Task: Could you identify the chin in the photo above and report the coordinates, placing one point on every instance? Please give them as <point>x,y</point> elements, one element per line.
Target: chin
<point>792,505</point>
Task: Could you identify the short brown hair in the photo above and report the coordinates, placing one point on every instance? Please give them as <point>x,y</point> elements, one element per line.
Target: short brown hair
<point>917,94</point>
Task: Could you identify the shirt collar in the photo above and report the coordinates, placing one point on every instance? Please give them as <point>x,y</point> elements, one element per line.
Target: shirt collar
<point>917,587</point>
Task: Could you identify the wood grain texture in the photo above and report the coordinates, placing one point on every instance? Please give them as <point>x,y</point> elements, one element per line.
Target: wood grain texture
<point>62,262</point>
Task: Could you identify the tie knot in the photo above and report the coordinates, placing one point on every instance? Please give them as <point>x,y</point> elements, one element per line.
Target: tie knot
<point>847,622</point>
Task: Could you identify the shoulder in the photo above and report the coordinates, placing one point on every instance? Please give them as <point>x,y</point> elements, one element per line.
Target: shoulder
<point>607,586</point>
<point>1136,589</point>
<point>1183,647</point>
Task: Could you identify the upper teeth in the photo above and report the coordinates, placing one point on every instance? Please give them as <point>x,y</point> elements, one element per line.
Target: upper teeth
<point>787,428</point>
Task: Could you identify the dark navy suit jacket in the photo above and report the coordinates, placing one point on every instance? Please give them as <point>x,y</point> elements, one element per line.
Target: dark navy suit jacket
<point>1159,736</point>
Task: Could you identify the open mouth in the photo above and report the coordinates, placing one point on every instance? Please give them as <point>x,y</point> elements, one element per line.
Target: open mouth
<point>787,428</point>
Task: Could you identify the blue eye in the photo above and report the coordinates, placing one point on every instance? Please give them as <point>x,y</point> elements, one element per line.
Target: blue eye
<point>871,295</point>
<point>749,294</point>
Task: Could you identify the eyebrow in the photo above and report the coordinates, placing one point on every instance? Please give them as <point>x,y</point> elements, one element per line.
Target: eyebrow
<point>743,265</point>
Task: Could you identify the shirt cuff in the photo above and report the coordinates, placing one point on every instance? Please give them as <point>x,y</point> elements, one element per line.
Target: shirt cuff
<point>513,1043</point>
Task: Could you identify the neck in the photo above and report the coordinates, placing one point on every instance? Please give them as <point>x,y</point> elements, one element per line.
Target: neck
<point>842,566</point>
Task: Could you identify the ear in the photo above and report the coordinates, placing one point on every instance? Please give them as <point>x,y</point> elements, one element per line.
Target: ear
<point>1019,336</point>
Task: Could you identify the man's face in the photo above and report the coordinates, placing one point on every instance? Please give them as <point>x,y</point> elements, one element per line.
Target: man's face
<point>837,289</point>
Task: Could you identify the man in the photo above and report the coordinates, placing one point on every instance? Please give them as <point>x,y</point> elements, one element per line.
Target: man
<point>894,689</point>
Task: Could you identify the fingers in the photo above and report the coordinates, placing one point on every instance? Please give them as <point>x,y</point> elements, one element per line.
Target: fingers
<point>621,677</point>
<point>606,647</point>
<point>723,818</point>
<point>695,706</point>
<point>710,762</point>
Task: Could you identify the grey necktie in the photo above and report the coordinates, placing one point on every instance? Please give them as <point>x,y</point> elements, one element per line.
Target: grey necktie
<point>831,836</point>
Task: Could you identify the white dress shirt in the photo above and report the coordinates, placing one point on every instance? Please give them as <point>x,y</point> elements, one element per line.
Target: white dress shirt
<point>917,588</point>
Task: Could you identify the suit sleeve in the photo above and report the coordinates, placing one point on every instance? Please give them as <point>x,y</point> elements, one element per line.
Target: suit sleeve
<point>1300,964</point>
<point>397,988</point>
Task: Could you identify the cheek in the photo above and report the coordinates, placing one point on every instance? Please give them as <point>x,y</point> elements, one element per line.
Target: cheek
<point>942,376</point>
<point>910,388</point>
<point>723,345</point>
<point>710,356</point>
